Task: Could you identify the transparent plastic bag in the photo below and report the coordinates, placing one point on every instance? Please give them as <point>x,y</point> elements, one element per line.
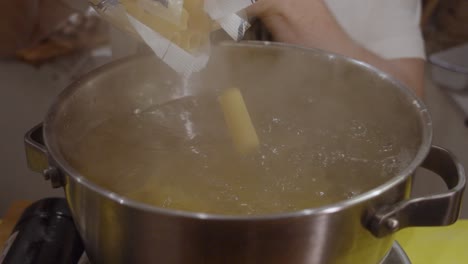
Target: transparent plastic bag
<point>178,31</point>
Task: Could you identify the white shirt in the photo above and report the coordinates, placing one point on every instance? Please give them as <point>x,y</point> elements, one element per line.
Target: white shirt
<point>389,28</point>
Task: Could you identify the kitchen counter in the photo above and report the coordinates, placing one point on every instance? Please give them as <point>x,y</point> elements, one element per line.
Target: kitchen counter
<point>436,245</point>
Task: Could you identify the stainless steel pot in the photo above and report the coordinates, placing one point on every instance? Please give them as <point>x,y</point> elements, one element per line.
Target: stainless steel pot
<point>358,230</point>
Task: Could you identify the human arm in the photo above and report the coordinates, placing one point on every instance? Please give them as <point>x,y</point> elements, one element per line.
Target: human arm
<point>310,23</point>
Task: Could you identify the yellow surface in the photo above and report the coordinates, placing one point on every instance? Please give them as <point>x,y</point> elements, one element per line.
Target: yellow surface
<point>238,121</point>
<point>436,245</point>
<point>8,221</point>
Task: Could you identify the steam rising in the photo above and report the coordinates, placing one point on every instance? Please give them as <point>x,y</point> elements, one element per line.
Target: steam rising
<point>329,131</point>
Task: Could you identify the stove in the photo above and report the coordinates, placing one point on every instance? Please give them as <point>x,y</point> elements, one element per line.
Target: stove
<point>45,234</point>
<point>396,256</point>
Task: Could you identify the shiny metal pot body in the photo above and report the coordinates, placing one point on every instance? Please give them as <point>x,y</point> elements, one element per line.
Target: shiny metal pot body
<point>118,230</point>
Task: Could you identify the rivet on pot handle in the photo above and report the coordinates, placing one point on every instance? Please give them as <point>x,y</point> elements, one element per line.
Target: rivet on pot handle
<point>37,156</point>
<point>434,210</point>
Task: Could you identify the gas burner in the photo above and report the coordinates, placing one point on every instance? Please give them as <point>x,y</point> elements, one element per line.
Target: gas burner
<point>396,256</point>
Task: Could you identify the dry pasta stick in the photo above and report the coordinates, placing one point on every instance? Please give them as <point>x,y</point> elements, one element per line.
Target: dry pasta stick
<point>238,121</point>
<point>199,25</point>
<point>156,23</point>
<point>191,41</point>
<point>203,19</point>
<point>190,34</point>
<point>199,19</point>
<point>170,13</point>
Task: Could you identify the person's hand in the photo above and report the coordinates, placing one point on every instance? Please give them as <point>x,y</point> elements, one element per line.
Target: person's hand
<point>305,22</point>
<point>310,23</point>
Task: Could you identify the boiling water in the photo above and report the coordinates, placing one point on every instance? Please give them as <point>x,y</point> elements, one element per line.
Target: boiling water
<point>179,155</point>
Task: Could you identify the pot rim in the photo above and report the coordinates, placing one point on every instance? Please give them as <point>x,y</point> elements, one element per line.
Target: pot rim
<point>55,153</point>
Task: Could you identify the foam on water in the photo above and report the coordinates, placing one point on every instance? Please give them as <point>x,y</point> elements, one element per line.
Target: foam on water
<point>179,155</point>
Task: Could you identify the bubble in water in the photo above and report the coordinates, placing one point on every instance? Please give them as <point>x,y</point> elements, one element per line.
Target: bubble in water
<point>167,202</point>
<point>158,113</point>
<point>352,193</point>
<point>194,150</point>
<point>296,167</point>
<point>358,129</point>
<point>387,147</point>
<point>269,128</point>
<point>274,151</point>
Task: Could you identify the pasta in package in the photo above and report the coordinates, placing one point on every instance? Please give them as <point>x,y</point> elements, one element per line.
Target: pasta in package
<point>178,31</point>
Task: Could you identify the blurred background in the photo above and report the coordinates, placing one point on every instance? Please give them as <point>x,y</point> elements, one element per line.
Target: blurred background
<point>46,44</point>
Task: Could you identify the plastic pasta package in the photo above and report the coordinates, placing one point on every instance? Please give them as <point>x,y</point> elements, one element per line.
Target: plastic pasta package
<point>178,31</point>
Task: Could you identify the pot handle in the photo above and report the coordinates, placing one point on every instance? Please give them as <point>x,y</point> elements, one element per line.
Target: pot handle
<point>36,152</point>
<point>433,210</point>
<point>38,158</point>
